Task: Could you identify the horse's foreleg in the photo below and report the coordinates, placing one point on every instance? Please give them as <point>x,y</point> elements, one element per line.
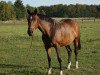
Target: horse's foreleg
<point>69,56</point>
<point>59,58</point>
<point>48,50</point>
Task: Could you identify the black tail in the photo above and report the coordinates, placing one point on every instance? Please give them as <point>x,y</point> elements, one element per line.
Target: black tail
<point>79,43</point>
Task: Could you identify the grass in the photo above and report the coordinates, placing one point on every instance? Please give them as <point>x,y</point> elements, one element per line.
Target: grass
<point>17,59</point>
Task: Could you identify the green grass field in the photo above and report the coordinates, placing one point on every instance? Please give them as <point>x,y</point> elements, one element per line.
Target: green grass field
<point>17,59</point>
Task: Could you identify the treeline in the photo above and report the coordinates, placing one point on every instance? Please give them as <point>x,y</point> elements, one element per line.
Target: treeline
<point>72,11</point>
<point>16,10</point>
<point>10,11</point>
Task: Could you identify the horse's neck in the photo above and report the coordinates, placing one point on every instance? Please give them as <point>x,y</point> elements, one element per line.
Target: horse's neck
<point>45,28</point>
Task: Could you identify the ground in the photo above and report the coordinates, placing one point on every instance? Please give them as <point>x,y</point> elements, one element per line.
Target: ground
<point>17,59</point>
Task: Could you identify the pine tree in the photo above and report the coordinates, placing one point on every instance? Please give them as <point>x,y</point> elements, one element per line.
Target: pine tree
<point>19,9</point>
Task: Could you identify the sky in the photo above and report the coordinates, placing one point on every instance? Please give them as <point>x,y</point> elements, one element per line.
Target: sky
<point>37,3</point>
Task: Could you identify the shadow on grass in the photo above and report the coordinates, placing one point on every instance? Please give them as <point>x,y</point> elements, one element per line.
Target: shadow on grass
<point>27,72</point>
<point>12,66</point>
<point>11,69</point>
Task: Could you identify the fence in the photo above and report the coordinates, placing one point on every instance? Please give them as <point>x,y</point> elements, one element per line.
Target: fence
<point>14,22</point>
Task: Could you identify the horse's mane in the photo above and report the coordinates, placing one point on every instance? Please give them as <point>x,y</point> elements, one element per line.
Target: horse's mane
<point>53,22</point>
<point>46,18</point>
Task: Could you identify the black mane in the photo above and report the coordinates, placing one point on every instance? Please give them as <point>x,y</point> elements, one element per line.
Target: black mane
<point>46,18</point>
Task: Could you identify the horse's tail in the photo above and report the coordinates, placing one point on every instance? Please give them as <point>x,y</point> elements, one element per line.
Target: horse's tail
<point>79,43</point>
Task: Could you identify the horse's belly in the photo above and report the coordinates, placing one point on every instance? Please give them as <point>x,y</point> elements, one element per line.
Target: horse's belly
<point>66,42</point>
<point>64,37</point>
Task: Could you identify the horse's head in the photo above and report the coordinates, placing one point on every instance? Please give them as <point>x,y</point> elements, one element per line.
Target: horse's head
<point>33,21</point>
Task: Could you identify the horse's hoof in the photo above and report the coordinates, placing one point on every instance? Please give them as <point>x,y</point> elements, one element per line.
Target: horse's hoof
<point>68,68</point>
<point>76,64</point>
<point>49,71</point>
<point>77,67</point>
<point>61,72</point>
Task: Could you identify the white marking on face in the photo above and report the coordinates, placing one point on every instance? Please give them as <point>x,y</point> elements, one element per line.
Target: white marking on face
<point>31,17</point>
<point>69,64</point>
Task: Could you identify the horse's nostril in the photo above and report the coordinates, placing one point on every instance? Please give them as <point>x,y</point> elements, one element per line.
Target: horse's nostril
<point>32,32</point>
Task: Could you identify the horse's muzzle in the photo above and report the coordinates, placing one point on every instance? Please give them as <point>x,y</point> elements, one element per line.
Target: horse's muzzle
<point>30,32</point>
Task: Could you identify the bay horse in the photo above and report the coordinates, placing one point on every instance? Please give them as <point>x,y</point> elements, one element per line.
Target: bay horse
<point>55,34</point>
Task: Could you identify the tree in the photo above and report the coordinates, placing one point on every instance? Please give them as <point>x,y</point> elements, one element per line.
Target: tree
<point>6,11</point>
<point>30,8</point>
<point>20,10</point>
<point>10,11</point>
<point>98,11</point>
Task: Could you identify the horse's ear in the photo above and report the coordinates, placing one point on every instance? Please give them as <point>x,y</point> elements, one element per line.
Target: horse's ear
<point>35,11</point>
<point>28,11</point>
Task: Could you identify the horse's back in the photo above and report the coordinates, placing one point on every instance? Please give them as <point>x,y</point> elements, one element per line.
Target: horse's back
<point>66,32</point>
<point>73,25</point>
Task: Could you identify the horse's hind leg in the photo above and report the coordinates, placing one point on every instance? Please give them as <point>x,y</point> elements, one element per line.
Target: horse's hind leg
<point>69,56</point>
<point>76,52</point>
<point>48,50</point>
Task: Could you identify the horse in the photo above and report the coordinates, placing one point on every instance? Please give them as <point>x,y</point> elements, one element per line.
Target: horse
<point>56,34</point>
